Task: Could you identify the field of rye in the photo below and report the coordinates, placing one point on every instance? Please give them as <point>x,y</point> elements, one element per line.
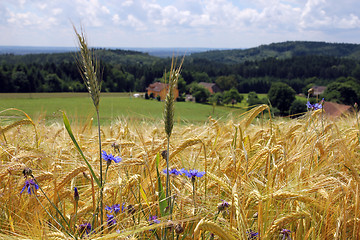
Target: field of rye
<point>263,179</point>
<point>245,178</point>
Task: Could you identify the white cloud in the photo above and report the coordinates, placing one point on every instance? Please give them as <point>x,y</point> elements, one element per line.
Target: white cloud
<point>92,12</point>
<point>127,3</point>
<point>116,18</point>
<point>56,11</point>
<point>212,21</point>
<point>350,22</point>
<point>29,19</point>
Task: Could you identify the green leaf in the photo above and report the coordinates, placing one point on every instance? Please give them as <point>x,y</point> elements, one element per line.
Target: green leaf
<point>143,194</point>
<point>162,198</point>
<point>68,128</point>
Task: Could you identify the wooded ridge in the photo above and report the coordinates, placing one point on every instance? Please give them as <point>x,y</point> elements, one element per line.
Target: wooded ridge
<point>296,63</point>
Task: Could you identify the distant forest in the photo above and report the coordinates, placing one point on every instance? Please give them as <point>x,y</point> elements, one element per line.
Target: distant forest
<point>298,64</point>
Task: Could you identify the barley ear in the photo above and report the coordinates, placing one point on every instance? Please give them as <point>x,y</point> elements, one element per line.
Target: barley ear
<point>169,100</point>
<point>220,231</point>
<point>89,68</point>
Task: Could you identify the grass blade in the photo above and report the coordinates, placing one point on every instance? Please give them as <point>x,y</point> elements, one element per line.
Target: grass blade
<point>68,128</point>
<point>162,198</point>
<point>143,195</point>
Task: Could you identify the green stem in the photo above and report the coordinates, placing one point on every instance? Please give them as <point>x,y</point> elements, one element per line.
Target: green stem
<point>75,217</point>
<point>56,220</point>
<point>57,210</point>
<point>193,182</point>
<point>167,180</point>
<point>101,174</point>
<point>167,172</point>
<point>106,170</point>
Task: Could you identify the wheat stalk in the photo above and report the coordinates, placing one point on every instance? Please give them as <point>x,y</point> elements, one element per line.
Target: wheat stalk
<point>184,145</point>
<point>70,176</point>
<point>89,69</point>
<point>281,222</point>
<point>206,225</point>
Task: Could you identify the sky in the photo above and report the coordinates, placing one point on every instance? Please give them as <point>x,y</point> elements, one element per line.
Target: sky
<point>178,23</point>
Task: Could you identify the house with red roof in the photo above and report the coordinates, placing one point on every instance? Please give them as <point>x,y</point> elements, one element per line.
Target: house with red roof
<point>334,110</point>
<point>212,87</point>
<point>160,89</point>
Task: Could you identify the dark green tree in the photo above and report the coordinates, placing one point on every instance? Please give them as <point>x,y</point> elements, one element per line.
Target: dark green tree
<point>253,99</point>
<point>227,82</point>
<point>200,93</point>
<point>232,96</point>
<point>53,83</point>
<point>181,85</point>
<point>20,81</point>
<point>201,77</point>
<point>343,93</point>
<point>281,96</point>
<point>297,107</point>
<point>216,98</point>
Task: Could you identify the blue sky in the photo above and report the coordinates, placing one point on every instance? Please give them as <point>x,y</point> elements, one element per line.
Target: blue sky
<point>185,23</point>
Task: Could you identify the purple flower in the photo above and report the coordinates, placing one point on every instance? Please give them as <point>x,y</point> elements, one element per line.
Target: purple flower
<point>172,172</point>
<point>309,105</point>
<point>109,157</point>
<point>286,234</point>
<point>315,106</point>
<point>111,221</point>
<point>192,173</point>
<point>251,235</point>
<point>76,194</point>
<point>222,206</point>
<point>115,208</point>
<point>153,219</point>
<point>84,228</point>
<point>30,185</point>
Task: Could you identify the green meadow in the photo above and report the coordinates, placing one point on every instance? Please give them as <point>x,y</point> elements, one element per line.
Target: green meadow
<point>112,106</point>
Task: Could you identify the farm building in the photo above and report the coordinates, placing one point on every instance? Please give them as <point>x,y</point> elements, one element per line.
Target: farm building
<point>334,110</point>
<point>212,87</point>
<point>318,90</point>
<point>160,89</point>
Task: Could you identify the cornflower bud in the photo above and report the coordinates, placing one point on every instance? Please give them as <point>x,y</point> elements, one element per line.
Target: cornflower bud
<point>179,228</point>
<point>27,172</point>
<point>76,194</point>
<point>222,206</point>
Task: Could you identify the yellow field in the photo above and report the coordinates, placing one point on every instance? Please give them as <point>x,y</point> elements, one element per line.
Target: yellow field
<point>298,178</point>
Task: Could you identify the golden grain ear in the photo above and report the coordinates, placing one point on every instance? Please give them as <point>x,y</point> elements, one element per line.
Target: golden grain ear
<point>252,114</point>
<point>89,68</point>
<point>220,231</point>
<point>170,99</point>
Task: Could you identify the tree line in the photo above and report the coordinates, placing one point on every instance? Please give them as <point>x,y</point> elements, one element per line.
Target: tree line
<point>129,71</point>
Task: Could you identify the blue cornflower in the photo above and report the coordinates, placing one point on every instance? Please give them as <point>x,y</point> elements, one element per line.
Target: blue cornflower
<point>192,173</point>
<point>286,234</point>
<point>111,221</point>
<point>222,206</point>
<point>109,157</point>
<point>315,106</point>
<point>172,172</point>
<point>309,105</point>
<point>84,228</point>
<point>30,185</point>
<point>115,208</point>
<point>153,219</point>
<point>251,235</point>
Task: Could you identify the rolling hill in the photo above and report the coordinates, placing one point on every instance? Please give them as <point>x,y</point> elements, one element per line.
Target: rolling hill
<point>281,51</point>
